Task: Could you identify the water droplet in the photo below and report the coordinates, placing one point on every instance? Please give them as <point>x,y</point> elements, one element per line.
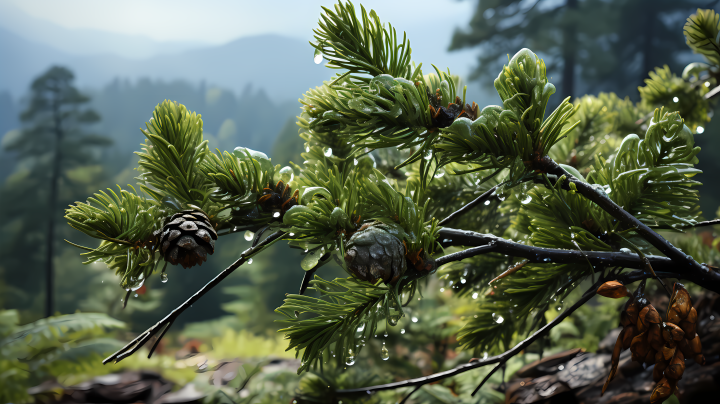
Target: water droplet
<point>163,277</point>
<point>318,57</point>
<point>249,261</point>
<point>414,319</point>
<point>384,354</point>
<point>287,174</point>
<point>328,152</point>
<point>439,175</point>
<point>526,200</point>
<point>276,214</point>
<point>249,235</point>
<point>499,319</point>
<point>625,251</point>
<point>700,130</point>
<point>361,328</point>
<point>350,358</point>
<point>475,295</point>
<point>402,331</point>
<point>676,99</point>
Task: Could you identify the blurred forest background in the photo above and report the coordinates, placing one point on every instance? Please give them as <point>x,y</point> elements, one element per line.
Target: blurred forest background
<point>247,91</point>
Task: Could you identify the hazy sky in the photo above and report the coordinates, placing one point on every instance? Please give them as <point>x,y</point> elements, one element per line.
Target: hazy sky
<point>219,21</point>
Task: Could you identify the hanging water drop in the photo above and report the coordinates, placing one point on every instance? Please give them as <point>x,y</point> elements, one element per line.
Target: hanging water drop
<point>276,215</point>
<point>249,261</point>
<point>328,152</point>
<point>318,58</point>
<point>402,331</point>
<point>350,358</point>
<point>384,354</point>
<point>163,277</point>
<point>249,235</point>
<point>526,199</point>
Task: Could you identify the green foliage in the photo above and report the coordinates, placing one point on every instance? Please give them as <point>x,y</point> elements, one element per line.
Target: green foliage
<point>347,312</point>
<point>53,346</point>
<point>361,46</point>
<point>602,122</point>
<point>650,178</point>
<point>125,223</point>
<point>665,88</point>
<point>514,135</point>
<point>701,34</point>
<point>171,153</point>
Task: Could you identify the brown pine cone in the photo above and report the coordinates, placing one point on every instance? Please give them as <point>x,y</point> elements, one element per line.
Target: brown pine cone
<point>187,238</point>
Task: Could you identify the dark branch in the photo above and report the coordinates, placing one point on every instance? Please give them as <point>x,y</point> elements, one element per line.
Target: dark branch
<point>480,199</point>
<point>486,243</point>
<point>626,279</point>
<point>684,261</point>
<point>166,322</point>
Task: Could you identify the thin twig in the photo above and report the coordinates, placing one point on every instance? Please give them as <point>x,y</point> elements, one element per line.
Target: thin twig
<point>404,400</point>
<point>706,223</point>
<point>480,199</point>
<point>510,271</point>
<point>164,324</point>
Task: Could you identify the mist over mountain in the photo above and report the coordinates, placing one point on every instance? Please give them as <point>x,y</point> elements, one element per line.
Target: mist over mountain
<point>282,66</point>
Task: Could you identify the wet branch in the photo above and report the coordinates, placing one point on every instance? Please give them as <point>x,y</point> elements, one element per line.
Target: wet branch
<point>626,279</point>
<point>684,261</point>
<point>487,243</point>
<point>164,324</point>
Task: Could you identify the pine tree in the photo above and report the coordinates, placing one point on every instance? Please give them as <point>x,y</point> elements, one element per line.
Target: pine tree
<point>611,45</point>
<point>405,183</point>
<point>51,146</point>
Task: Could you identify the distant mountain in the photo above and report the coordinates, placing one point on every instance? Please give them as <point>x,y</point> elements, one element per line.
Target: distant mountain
<point>283,67</point>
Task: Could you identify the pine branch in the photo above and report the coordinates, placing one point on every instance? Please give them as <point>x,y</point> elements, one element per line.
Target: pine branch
<point>702,274</point>
<point>626,279</point>
<point>486,243</point>
<point>164,324</point>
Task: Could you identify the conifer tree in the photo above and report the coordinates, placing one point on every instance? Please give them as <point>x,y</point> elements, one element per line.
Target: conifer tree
<point>405,179</point>
<point>611,45</point>
<point>51,146</point>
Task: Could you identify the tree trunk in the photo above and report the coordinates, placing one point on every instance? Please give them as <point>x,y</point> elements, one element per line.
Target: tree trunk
<point>569,51</point>
<point>52,202</point>
<point>647,50</point>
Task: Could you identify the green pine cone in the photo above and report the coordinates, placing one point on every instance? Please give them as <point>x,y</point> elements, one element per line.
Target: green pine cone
<point>373,253</point>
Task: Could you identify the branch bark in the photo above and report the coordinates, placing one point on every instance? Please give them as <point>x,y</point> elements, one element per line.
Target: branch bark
<point>684,261</point>
<point>486,243</point>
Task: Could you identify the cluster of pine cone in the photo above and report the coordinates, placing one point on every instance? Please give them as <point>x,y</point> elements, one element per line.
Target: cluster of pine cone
<point>654,342</point>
